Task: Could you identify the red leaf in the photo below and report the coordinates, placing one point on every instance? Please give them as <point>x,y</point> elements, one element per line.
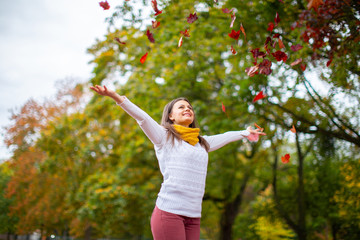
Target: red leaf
<point>279,55</point>
<point>252,71</point>
<point>296,62</point>
<point>265,67</point>
<point>192,18</point>
<point>233,51</point>
<point>303,67</point>
<point>276,35</point>
<point>314,4</point>
<point>259,96</point>
<point>223,107</point>
<point>234,34</point>
<point>143,58</point>
<point>281,44</point>
<point>186,33</point>
<point>256,53</point>
<point>150,36</point>
<point>243,30</point>
<point>105,5</point>
<point>329,62</point>
<point>155,24</point>
<point>180,41</point>
<point>154,6</point>
<point>119,41</point>
<point>293,129</point>
<point>276,19</point>
<point>285,158</point>
<point>233,17</point>
<point>270,27</point>
<point>296,47</point>
<point>225,10</point>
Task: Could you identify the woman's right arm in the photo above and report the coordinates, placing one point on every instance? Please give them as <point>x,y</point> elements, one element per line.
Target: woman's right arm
<point>151,128</point>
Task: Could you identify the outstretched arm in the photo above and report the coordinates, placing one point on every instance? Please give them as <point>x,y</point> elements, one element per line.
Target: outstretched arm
<point>151,128</point>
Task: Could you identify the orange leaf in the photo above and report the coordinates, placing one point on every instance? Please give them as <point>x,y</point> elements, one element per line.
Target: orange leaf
<point>143,58</point>
<point>285,158</point>
<point>258,127</point>
<point>243,30</point>
<point>281,44</point>
<point>293,129</point>
<point>314,4</point>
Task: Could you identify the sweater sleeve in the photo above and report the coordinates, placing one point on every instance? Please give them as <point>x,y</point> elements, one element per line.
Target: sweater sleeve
<point>154,131</point>
<point>220,140</point>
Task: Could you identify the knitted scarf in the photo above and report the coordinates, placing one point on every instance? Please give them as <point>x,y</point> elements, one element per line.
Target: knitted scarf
<point>189,135</point>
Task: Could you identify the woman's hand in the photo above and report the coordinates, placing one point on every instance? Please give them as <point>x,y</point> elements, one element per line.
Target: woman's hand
<point>254,134</point>
<point>104,91</point>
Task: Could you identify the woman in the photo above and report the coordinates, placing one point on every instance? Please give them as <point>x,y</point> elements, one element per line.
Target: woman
<point>183,157</point>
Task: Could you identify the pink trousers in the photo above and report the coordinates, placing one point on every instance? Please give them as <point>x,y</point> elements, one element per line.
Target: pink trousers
<point>169,226</point>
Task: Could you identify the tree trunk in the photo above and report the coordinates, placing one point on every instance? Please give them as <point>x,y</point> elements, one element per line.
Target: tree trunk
<point>87,235</point>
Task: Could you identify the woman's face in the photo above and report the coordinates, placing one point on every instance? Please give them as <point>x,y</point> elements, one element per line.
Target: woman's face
<point>182,113</point>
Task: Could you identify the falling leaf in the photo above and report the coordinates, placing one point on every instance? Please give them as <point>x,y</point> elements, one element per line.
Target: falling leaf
<point>180,41</point>
<point>281,44</point>
<point>143,58</point>
<point>296,47</point>
<point>243,30</point>
<point>155,24</point>
<point>293,129</point>
<point>256,53</point>
<point>223,107</point>
<point>276,35</point>
<point>279,55</point>
<point>258,127</point>
<point>233,17</point>
<point>285,158</point>
<point>119,41</point>
<point>186,33</point>
<point>314,4</point>
<point>276,19</point>
<point>259,96</point>
<point>233,51</point>
<point>150,36</point>
<point>303,66</point>
<point>105,5</point>
<point>296,62</point>
<point>270,27</point>
<point>328,62</point>
<point>252,71</point>
<point>154,6</point>
<point>234,34</point>
<point>192,18</point>
<point>265,67</point>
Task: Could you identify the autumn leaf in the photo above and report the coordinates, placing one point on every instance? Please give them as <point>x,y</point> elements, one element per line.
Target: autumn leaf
<point>243,30</point>
<point>119,41</point>
<point>296,47</point>
<point>314,4</point>
<point>293,130</point>
<point>143,58</point>
<point>180,41</point>
<point>192,18</point>
<point>296,62</point>
<point>252,71</point>
<point>281,1</point>
<point>265,67</point>
<point>234,34</point>
<point>233,17</point>
<point>279,55</point>
<point>259,96</point>
<point>258,127</point>
<point>285,158</point>
<point>256,53</point>
<point>233,51</point>
<point>223,107</point>
<point>281,44</point>
<point>105,5</point>
<point>328,62</point>
<point>186,33</point>
<point>270,27</point>
<point>155,24</point>
<point>225,10</point>
<point>303,66</point>
<point>150,36</point>
<point>154,6</point>
<point>276,19</point>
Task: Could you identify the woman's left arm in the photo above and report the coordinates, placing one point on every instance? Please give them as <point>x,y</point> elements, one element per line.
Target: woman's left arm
<point>220,140</point>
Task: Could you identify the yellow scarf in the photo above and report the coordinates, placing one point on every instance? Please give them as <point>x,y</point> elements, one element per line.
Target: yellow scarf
<point>189,135</point>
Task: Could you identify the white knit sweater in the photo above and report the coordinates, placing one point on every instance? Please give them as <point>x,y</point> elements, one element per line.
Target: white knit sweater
<point>182,165</point>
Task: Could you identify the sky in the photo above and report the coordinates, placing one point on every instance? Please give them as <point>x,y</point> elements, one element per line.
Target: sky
<point>42,42</point>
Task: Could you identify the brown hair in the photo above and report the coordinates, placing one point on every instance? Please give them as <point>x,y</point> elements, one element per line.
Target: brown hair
<point>168,123</point>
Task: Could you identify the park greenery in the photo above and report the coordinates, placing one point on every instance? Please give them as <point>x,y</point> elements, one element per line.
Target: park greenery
<point>82,168</point>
